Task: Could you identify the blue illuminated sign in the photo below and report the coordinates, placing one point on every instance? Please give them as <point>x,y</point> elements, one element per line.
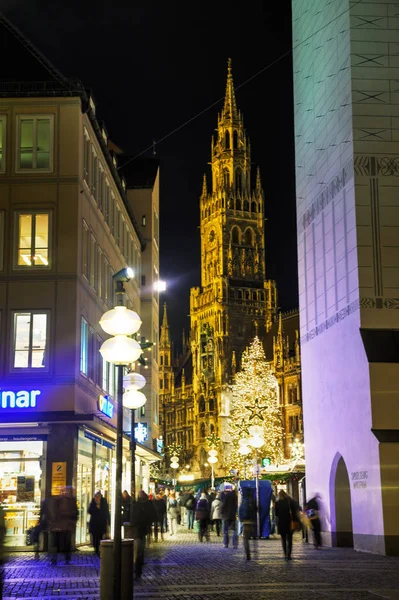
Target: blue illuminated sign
<point>21,399</point>
<point>105,406</point>
<point>141,432</point>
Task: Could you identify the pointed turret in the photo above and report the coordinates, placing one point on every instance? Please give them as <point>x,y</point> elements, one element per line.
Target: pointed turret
<point>230,106</point>
<point>258,181</point>
<point>165,336</point>
<point>204,192</point>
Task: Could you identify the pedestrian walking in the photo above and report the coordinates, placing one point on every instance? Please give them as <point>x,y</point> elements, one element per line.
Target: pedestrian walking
<point>144,515</point>
<point>202,516</point>
<point>63,514</point>
<point>190,509</point>
<point>160,510</point>
<point>247,516</point>
<point>125,506</point>
<point>216,513</point>
<point>99,520</point>
<point>229,515</point>
<point>286,511</point>
<point>165,499</point>
<point>312,511</point>
<point>173,513</point>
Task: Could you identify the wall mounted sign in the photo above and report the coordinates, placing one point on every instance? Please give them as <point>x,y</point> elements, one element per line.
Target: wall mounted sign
<point>21,399</point>
<point>105,406</point>
<point>58,477</point>
<point>99,440</point>
<point>141,432</point>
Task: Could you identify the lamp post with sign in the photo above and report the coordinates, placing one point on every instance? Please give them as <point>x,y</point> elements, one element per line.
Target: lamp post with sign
<point>121,351</point>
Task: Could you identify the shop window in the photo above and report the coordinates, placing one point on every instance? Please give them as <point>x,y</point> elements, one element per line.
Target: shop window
<point>84,347</point>
<point>30,337</point>
<point>33,240</point>
<point>2,144</point>
<point>20,488</point>
<point>35,143</point>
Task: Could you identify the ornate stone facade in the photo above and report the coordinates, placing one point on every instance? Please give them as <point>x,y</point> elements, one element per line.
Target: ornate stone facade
<point>234,303</point>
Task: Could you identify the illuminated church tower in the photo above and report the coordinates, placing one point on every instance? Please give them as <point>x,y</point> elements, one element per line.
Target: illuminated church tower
<point>235,301</point>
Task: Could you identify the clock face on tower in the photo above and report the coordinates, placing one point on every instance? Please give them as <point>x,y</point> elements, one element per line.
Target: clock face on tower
<point>211,236</point>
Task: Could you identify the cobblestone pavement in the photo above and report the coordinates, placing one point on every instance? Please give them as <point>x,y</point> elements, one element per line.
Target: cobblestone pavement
<point>182,569</point>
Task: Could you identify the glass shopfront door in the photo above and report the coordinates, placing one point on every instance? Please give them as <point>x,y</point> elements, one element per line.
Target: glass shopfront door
<point>84,493</point>
<point>20,488</point>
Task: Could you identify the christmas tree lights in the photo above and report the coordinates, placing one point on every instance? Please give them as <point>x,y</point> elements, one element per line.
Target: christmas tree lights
<point>255,402</point>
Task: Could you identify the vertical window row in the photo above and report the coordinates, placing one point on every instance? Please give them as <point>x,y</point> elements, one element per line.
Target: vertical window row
<point>96,180</point>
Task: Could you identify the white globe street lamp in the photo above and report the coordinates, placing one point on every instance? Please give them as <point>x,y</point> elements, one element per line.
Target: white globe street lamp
<point>121,351</point>
<point>256,441</point>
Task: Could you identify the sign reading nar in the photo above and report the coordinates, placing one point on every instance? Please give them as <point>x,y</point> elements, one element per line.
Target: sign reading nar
<point>105,406</point>
<point>21,399</point>
<point>141,432</point>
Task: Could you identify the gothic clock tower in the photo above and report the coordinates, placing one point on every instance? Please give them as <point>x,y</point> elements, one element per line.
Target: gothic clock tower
<point>235,301</point>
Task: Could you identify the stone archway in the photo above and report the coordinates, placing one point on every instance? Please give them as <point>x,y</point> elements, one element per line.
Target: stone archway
<point>340,504</point>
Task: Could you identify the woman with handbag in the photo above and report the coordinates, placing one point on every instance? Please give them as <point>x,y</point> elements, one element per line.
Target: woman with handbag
<point>99,520</point>
<point>286,511</point>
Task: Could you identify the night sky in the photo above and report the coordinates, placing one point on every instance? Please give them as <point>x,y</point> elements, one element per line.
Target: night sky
<point>154,65</point>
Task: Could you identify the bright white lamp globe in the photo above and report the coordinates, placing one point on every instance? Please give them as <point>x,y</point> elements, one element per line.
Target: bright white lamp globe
<point>120,350</point>
<point>212,459</point>
<point>120,321</point>
<point>213,452</point>
<point>133,399</point>
<point>134,381</point>
<point>244,450</point>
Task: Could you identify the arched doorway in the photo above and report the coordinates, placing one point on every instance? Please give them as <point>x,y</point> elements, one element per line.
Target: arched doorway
<point>341,507</point>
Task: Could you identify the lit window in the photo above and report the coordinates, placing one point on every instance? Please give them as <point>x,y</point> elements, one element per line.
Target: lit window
<point>85,249</point>
<point>33,239</point>
<point>30,340</point>
<point>84,346</point>
<point>35,143</point>
<point>2,144</point>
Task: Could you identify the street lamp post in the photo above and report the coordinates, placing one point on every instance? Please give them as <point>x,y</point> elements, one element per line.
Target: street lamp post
<point>256,441</point>
<point>121,351</point>
<point>132,398</point>
<point>212,459</point>
<point>174,463</point>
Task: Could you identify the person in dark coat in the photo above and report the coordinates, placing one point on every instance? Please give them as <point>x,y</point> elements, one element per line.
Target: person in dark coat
<point>99,520</point>
<point>144,514</point>
<point>229,515</point>
<point>202,513</point>
<point>312,509</point>
<point>125,506</point>
<point>160,509</point>
<point>247,516</point>
<point>286,511</point>
<point>62,516</point>
<point>190,508</point>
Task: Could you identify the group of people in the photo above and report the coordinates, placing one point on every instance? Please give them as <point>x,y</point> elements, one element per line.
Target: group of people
<point>153,516</point>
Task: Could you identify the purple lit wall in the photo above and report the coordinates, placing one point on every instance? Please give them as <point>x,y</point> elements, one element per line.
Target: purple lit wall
<point>347,167</point>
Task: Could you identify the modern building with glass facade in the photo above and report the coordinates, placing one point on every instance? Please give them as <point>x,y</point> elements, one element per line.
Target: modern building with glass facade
<point>66,226</point>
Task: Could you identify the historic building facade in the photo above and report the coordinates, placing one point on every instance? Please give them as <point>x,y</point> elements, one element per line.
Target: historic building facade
<point>234,303</point>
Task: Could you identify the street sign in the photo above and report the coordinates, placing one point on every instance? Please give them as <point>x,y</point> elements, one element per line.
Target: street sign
<point>266,462</point>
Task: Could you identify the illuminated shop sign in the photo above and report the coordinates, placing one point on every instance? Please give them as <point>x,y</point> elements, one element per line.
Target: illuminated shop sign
<point>141,432</point>
<point>21,399</point>
<point>105,406</point>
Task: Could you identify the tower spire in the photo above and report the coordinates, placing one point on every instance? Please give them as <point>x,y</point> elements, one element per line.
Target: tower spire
<point>230,106</point>
<point>165,337</point>
<point>258,181</point>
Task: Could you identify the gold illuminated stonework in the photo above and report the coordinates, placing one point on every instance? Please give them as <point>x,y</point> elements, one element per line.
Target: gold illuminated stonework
<point>234,303</point>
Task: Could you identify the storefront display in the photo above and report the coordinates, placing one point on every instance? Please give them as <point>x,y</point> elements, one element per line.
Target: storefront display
<point>20,487</point>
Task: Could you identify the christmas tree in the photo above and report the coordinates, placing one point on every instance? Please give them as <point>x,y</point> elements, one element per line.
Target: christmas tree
<point>254,411</point>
